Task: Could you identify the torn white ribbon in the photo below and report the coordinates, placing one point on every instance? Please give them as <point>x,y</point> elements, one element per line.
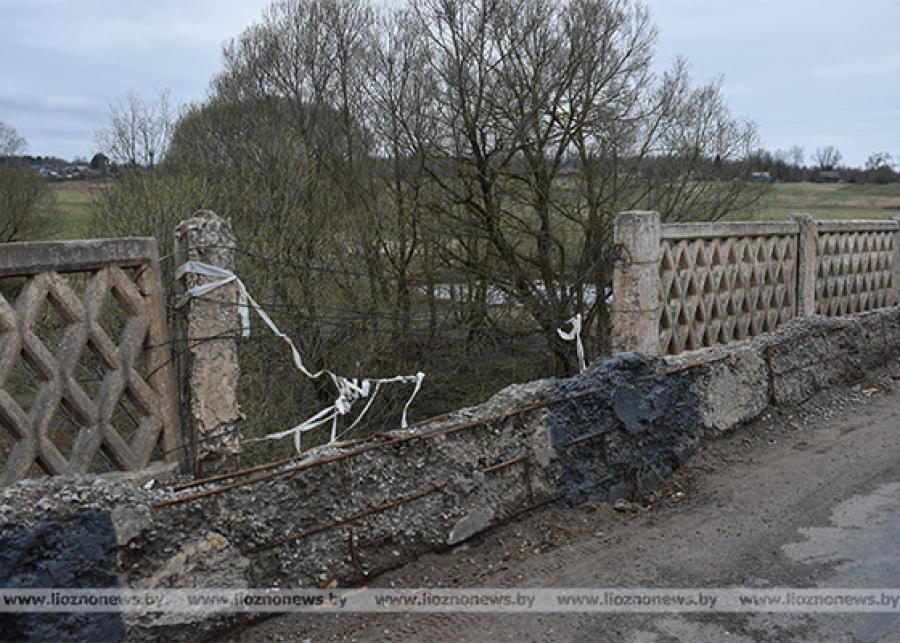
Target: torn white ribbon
<point>226,277</point>
<point>575,334</point>
<point>348,390</point>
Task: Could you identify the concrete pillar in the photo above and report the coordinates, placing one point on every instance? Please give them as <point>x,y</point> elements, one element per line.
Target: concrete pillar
<point>208,363</point>
<point>636,283</point>
<point>807,263</point>
<point>895,264</point>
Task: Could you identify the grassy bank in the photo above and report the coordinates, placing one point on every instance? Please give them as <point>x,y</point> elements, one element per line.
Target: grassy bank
<point>827,201</point>
<point>73,198</point>
<point>822,200</point>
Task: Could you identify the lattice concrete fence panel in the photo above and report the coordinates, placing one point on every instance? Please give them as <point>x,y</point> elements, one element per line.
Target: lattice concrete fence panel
<point>687,286</point>
<point>722,284</point>
<point>86,383</point>
<point>856,266</point>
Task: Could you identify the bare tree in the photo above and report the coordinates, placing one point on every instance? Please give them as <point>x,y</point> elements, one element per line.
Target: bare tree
<point>498,137</point>
<point>402,94</point>
<point>827,158</point>
<point>551,120</point>
<point>288,140</point>
<point>10,141</point>
<point>879,160</point>
<point>139,130</point>
<point>27,204</point>
<point>880,168</point>
<point>392,175</point>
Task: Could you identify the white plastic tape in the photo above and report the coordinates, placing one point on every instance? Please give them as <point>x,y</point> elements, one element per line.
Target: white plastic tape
<point>348,390</point>
<point>575,334</point>
<point>226,277</point>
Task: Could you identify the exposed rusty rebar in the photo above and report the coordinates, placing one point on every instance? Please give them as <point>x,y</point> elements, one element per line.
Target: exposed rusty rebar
<point>526,473</point>
<point>364,449</point>
<point>370,447</point>
<point>585,438</point>
<point>343,521</point>
<point>354,556</point>
<point>504,465</point>
<point>277,463</point>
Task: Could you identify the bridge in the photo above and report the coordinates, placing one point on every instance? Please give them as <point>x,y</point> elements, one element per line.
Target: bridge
<point>719,329</point>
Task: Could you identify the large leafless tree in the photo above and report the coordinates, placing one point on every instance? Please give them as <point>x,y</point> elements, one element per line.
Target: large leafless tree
<point>138,130</point>
<point>827,158</point>
<point>27,205</point>
<point>550,120</point>
<point>10,141</point>
<point>485,144</point>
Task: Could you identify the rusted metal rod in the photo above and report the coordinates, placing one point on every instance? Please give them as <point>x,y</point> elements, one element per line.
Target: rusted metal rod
<point>233,474</point>
<point>504,465</point>
<point>585,438</point>
<point>277,463</point>
<point>354,557</point>
<point>343,456</point>
<point>343,521</point>
<point>526,473</point>
<point>370,447</point>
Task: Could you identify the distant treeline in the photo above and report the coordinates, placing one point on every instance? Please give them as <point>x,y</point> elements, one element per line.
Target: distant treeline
<point>824,166</point>
<point>54,168</point>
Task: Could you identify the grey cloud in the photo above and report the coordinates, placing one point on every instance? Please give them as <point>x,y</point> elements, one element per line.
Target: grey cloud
<point>63,63</point>
<point>809,72</point>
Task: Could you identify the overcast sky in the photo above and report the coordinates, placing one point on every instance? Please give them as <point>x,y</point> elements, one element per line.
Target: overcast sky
<point>808,72</point>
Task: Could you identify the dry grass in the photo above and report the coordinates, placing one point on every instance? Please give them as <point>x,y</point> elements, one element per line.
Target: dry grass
<point>74,199</point>
<point>827,201</point>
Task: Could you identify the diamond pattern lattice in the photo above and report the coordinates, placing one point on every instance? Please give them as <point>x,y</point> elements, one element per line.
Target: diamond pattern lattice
<point>854,272</point>
<point>717,290</point>
<point>84,374</point>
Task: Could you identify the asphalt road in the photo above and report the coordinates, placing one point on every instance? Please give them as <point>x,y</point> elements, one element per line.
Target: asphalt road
<point>804,498</point>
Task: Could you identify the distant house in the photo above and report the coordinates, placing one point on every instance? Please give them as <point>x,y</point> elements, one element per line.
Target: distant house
<point>762,177</point>
<point>834,176</point>
<point>76,169</point>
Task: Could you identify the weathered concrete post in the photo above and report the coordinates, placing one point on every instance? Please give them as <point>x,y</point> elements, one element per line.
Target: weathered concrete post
<point>807,263</point>
<point>208,363</point>
<point>895,264</point>
<point>636,283</point>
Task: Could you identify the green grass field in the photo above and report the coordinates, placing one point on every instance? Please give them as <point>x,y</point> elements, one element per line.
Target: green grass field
<point>822,200</point>
<point>827,201</point>
<point>73,198</point>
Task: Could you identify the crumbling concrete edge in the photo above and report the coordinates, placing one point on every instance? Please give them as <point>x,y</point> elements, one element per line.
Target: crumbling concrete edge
<point>737,383</point>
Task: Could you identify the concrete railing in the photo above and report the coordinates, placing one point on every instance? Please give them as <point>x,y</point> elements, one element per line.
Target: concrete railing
<point>85,376</point>
<point>686,286</point>
<point>346,512</point>
<point>87,379</point>
<point>341,513</point>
